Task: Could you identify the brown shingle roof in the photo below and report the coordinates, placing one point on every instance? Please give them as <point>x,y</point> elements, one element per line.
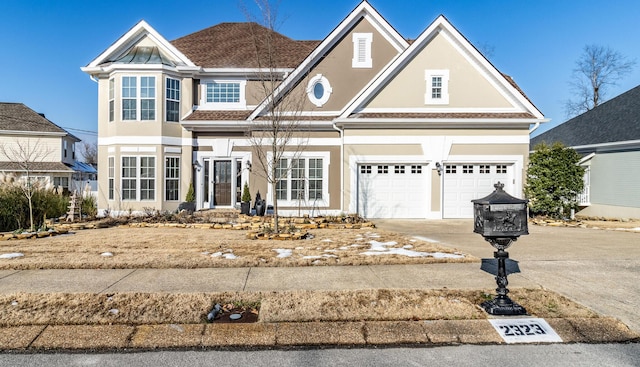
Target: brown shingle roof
<point>234,45</point>
<point>18,117</point>
<point>36,167</point>
<point>218,115</point>
<point>445,115</point>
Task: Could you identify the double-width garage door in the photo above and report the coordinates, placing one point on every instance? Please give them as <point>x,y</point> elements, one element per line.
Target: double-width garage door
<point>392,190</point>
<point>465,182</point>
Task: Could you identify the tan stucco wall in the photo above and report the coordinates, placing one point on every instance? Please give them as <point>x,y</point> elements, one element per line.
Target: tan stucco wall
<point>436,190</point>
<point>336,66</point>
<point>467,87</point>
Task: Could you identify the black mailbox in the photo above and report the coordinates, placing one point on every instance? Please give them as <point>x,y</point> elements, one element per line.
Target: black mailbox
<point>501,219</point>
<point>500,214</point>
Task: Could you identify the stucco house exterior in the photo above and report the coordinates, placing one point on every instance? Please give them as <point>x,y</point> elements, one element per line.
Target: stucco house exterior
<point>392,128</point>
<point>31,144</point>
<point>608,138</point>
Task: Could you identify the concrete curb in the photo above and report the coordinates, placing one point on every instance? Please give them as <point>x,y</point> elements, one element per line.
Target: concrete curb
<point>282,335</point>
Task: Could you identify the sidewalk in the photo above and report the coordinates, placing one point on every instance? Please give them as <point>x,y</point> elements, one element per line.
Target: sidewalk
<point>434,276</point>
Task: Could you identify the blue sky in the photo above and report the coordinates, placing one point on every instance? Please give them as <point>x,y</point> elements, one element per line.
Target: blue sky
<point>44,43</point>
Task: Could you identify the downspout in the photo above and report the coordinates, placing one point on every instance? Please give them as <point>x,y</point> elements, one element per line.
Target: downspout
<point>341,132</point>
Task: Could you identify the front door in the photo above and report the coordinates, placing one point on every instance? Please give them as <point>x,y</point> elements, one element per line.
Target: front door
<point>222,183</point>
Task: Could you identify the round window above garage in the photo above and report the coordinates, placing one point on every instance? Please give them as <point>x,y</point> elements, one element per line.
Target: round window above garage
<point>319,90</point>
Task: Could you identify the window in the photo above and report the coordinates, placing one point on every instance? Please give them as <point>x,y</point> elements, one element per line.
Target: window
<point>172,178</point>
<point>73,151</point>
<point>147,178</point>
<point>172,100</point>
<point>485,168</point>
<point>450,168</point>
<point>138,182</point>
<point>319,90</point>
<point>111,175</point>
<point>129,170</point>
<point>301,179</point>
<point>398,169</point>
<point>416,169</point>
<point>64,144</point>
<point>223,92</point>
<point>365,169</point>
<point>467,168</point>
<point>501,168</point>
<point>139,95</point>
<point>437,85</point>
<point>112,103</point>
<point>383,169</point>
<point>362,50</point>
<point>62,182</point>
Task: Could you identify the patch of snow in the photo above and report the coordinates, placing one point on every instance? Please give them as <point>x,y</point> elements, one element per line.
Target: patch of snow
<point>325,256</point>
<point>114,311</point>
<point>425,239</point>
<point>300,248</point>
<point>373,235</point>
<point>407,246</point>
<point>330,250</point>
<point>327,240</point>
<point>412,240</point>
<point>12,255</point>
<point>283,252</point>
<point>216,254</point>
<point>635,229</point>
<point>205,253</point>
<point>14,303</point>
<point>344,248</point>
<point>316,262</point>
<point>383,248</point>
<point>106,254</point>
<point>177,327</point>
<point>230,256</point>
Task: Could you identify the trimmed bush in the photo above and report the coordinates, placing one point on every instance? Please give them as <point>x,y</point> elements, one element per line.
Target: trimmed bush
<point>14,207</point>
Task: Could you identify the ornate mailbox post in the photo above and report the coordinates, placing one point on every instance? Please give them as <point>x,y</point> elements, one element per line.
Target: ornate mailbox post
<point>501,219</point>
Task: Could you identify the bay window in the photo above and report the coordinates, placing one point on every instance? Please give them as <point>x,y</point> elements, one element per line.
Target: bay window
<point>139,98</point>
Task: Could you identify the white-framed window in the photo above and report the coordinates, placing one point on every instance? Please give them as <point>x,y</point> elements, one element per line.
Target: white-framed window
<point>172,178</point>
<point>467,168</point>
<point>362,50</point>
<point>139,98</point>
<point>485,168</point>
<point>62,182</point>
<point>64,147</point>
<point>112,177</point>
<point>303,179</point>
<point>138,178</point>
<point>319,90</point>
<point>365,169</point>
<point>398,169</point>
<point>172,100</point>
<point>437,87</point>
<point>223,94</point>
<point>383,169</point>
<point>450,168</point>
<point>112,99</point>
<point>416,169</point>
<point>501,168</point>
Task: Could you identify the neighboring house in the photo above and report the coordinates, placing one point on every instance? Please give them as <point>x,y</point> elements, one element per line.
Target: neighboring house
<point>32,145</point>
<point>608,138</point>
<point>395,129</point>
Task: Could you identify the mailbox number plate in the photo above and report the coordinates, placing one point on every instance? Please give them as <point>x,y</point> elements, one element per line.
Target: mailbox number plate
<point>529,330</point>
<point>505,207</point>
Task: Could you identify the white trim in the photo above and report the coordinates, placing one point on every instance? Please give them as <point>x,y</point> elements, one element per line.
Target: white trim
<point>363,40</point>
<point>173,150</point>
<point>130,38</point>
<point>442,110</point>
<point>442,26</point>
<point>145,140</point>
<point>435,139</point>
<point>586,158</point>
<point>240,105</point>
<point>326,89</point>
<point>137,149</point>
<point>363,10</point>
<point>444,87</point>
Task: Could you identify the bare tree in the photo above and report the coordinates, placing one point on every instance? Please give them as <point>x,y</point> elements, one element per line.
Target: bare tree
<point>597,69</point>
<point>90,152</point>
<point>27,156</point>
<point>277,136</point>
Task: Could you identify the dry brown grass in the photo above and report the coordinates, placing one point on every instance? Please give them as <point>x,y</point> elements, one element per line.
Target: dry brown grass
<point>168,247</point>
<point>291,306</point>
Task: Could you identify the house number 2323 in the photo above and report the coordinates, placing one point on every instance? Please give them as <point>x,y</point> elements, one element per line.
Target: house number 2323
<point>522,329</point>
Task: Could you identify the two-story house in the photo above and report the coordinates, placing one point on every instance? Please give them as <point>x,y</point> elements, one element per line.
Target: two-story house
<point>389,128</point>
<point>33,146</point>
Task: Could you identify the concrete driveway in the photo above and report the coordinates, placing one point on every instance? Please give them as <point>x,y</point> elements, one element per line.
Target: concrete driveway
<point>597,268</point>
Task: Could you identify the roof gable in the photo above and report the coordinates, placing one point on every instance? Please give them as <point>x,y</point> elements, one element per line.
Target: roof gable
<point>441,47</point>
<point>617,120</point>
<point>364,11</point>
<point>142,35</point>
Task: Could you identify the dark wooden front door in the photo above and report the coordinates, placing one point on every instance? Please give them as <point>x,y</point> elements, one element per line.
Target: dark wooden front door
<point>222,183</point>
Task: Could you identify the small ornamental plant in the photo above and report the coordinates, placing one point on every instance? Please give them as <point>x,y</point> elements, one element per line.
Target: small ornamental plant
<point>246,195</point>
<point>191,195</point>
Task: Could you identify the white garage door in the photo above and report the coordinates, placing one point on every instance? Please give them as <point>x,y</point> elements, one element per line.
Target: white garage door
<point>465,182</point>
<point>392,190</point>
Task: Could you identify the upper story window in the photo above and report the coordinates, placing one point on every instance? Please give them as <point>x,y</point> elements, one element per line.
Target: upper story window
<point>172,96</point>
<point>139,98</point>
<point>437,87</point>
<point>64,144</point>
<point>224,94</point>
<point>319,90</point>
<point>112,102</point>
<point>362,50</point>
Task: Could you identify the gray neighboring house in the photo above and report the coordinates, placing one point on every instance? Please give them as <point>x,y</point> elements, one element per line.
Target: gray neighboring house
<point>52,149</point>
<point>608,138</point>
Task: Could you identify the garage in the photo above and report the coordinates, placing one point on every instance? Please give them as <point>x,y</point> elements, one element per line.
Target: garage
<point>468,181</point>
<point>393,190</point>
